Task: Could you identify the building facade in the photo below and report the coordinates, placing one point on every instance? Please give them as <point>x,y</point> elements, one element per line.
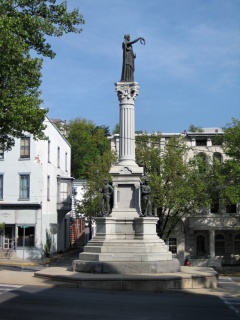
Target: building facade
<point>35,195</point>
<point>207,238</point>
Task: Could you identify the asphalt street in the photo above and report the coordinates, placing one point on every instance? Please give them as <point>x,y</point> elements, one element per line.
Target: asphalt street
<point>31,302</point>
<point>22,296</point>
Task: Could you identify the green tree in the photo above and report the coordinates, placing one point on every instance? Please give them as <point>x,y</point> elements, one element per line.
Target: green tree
<point>24,28</point>
<point>231,139</point>
<point>193,128</point>
<point>88,143</point>
<point>179,188</point>
<point>230,168</point>
<point>116,129</point>
<point>97,172</point>
<point>91,160</point>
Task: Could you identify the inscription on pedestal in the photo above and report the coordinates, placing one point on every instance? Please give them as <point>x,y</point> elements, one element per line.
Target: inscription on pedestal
<point>126,197</point>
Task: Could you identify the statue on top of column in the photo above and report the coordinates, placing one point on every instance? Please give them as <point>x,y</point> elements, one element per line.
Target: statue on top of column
<point>128,58</point>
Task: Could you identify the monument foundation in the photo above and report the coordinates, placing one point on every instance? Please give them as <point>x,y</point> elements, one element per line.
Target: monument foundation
<point>126,246</point>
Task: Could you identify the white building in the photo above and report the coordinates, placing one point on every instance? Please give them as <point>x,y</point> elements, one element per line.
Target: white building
<point>35,194</point>
<point>79,189</point>
<point>207,238</point>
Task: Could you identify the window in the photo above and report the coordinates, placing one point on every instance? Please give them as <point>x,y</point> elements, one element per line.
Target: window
<point>1,153</point>
<point>25,236</point>
<point>1,186</point>
<point>237,244</point>
<point>49,148</point>
<point>66,162</point>
<point>200,246</point>
<point>63,191</point>
<point>172,243</point>
<point>58,157</point>
<point>219,245</point>
<point>25,148</point>
<point>217,140</point>
<point>48,188</point>
<point>215,206</point>
<point>24,186</point>
<point>201,142</point>
<point>202,162</point>
<point>217,156</point>
<point>231,208</point>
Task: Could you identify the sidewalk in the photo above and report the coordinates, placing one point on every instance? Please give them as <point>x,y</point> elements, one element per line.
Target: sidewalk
<point>19,272</point>
<point>59,259</point>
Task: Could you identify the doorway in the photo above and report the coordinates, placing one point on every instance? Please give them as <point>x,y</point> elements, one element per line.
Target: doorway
<point>200,246</point>
<point>8,237</point>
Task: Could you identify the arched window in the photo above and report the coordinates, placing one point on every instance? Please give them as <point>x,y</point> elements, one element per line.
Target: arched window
<point>200,246</point>
<point>237,244</point>
<point>202,156</point>
<point>217,156</point>
<point>219,245</point>
<point>202,161</point>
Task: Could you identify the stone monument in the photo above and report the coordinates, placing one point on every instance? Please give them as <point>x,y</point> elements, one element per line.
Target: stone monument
<point>126,241</point>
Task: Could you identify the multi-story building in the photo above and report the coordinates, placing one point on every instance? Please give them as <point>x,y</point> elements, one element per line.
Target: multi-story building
<point>35,194</point>
<point>207,238</point>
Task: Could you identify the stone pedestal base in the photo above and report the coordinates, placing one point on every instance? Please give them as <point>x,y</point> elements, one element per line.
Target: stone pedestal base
<point>127,267</point>
<point>126,246</point>
<point>126,180</point>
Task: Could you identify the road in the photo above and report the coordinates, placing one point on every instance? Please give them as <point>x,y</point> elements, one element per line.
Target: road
<point>35,302</point>
<point>24,297</point>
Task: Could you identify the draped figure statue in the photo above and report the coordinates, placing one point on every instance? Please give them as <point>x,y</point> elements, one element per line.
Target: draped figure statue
<point>128,58</point>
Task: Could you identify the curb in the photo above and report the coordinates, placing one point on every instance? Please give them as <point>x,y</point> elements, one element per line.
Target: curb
<point>191,278</point>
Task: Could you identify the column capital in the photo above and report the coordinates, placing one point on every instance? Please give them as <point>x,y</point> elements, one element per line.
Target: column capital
<point>126,90</point>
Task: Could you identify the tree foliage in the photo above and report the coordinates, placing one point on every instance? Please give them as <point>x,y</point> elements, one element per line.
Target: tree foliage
<point>88,142</point>
<point>97,172</point>
<point>24,27</point>
<point>193,128</point>
<point>116,129</point>
<point>230,168</point>
<point>91,160</point>
<point>179,188</point>
<point>231,139</point>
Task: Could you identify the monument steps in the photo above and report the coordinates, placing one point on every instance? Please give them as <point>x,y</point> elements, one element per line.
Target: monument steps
<point>126,249</point>
<point>124,256</point>
<point>97,241</point>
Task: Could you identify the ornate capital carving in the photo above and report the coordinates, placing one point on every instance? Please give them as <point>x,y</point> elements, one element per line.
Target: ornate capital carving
<point>126,90</point>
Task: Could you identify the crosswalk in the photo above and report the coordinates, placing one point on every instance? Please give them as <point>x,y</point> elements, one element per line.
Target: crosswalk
<point>233,303</point>
<point>8,287</point>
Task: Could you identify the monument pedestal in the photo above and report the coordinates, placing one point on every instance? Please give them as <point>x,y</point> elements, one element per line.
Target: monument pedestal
<point>126,181</point>
<point>126,246</point>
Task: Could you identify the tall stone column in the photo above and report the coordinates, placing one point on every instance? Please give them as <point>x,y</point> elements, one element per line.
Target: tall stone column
<point>212,261</point>
<point>127,92</point>
<point>126,174</point>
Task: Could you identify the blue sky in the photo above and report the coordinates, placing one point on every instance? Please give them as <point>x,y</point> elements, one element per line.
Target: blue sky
<point>188,71</point>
